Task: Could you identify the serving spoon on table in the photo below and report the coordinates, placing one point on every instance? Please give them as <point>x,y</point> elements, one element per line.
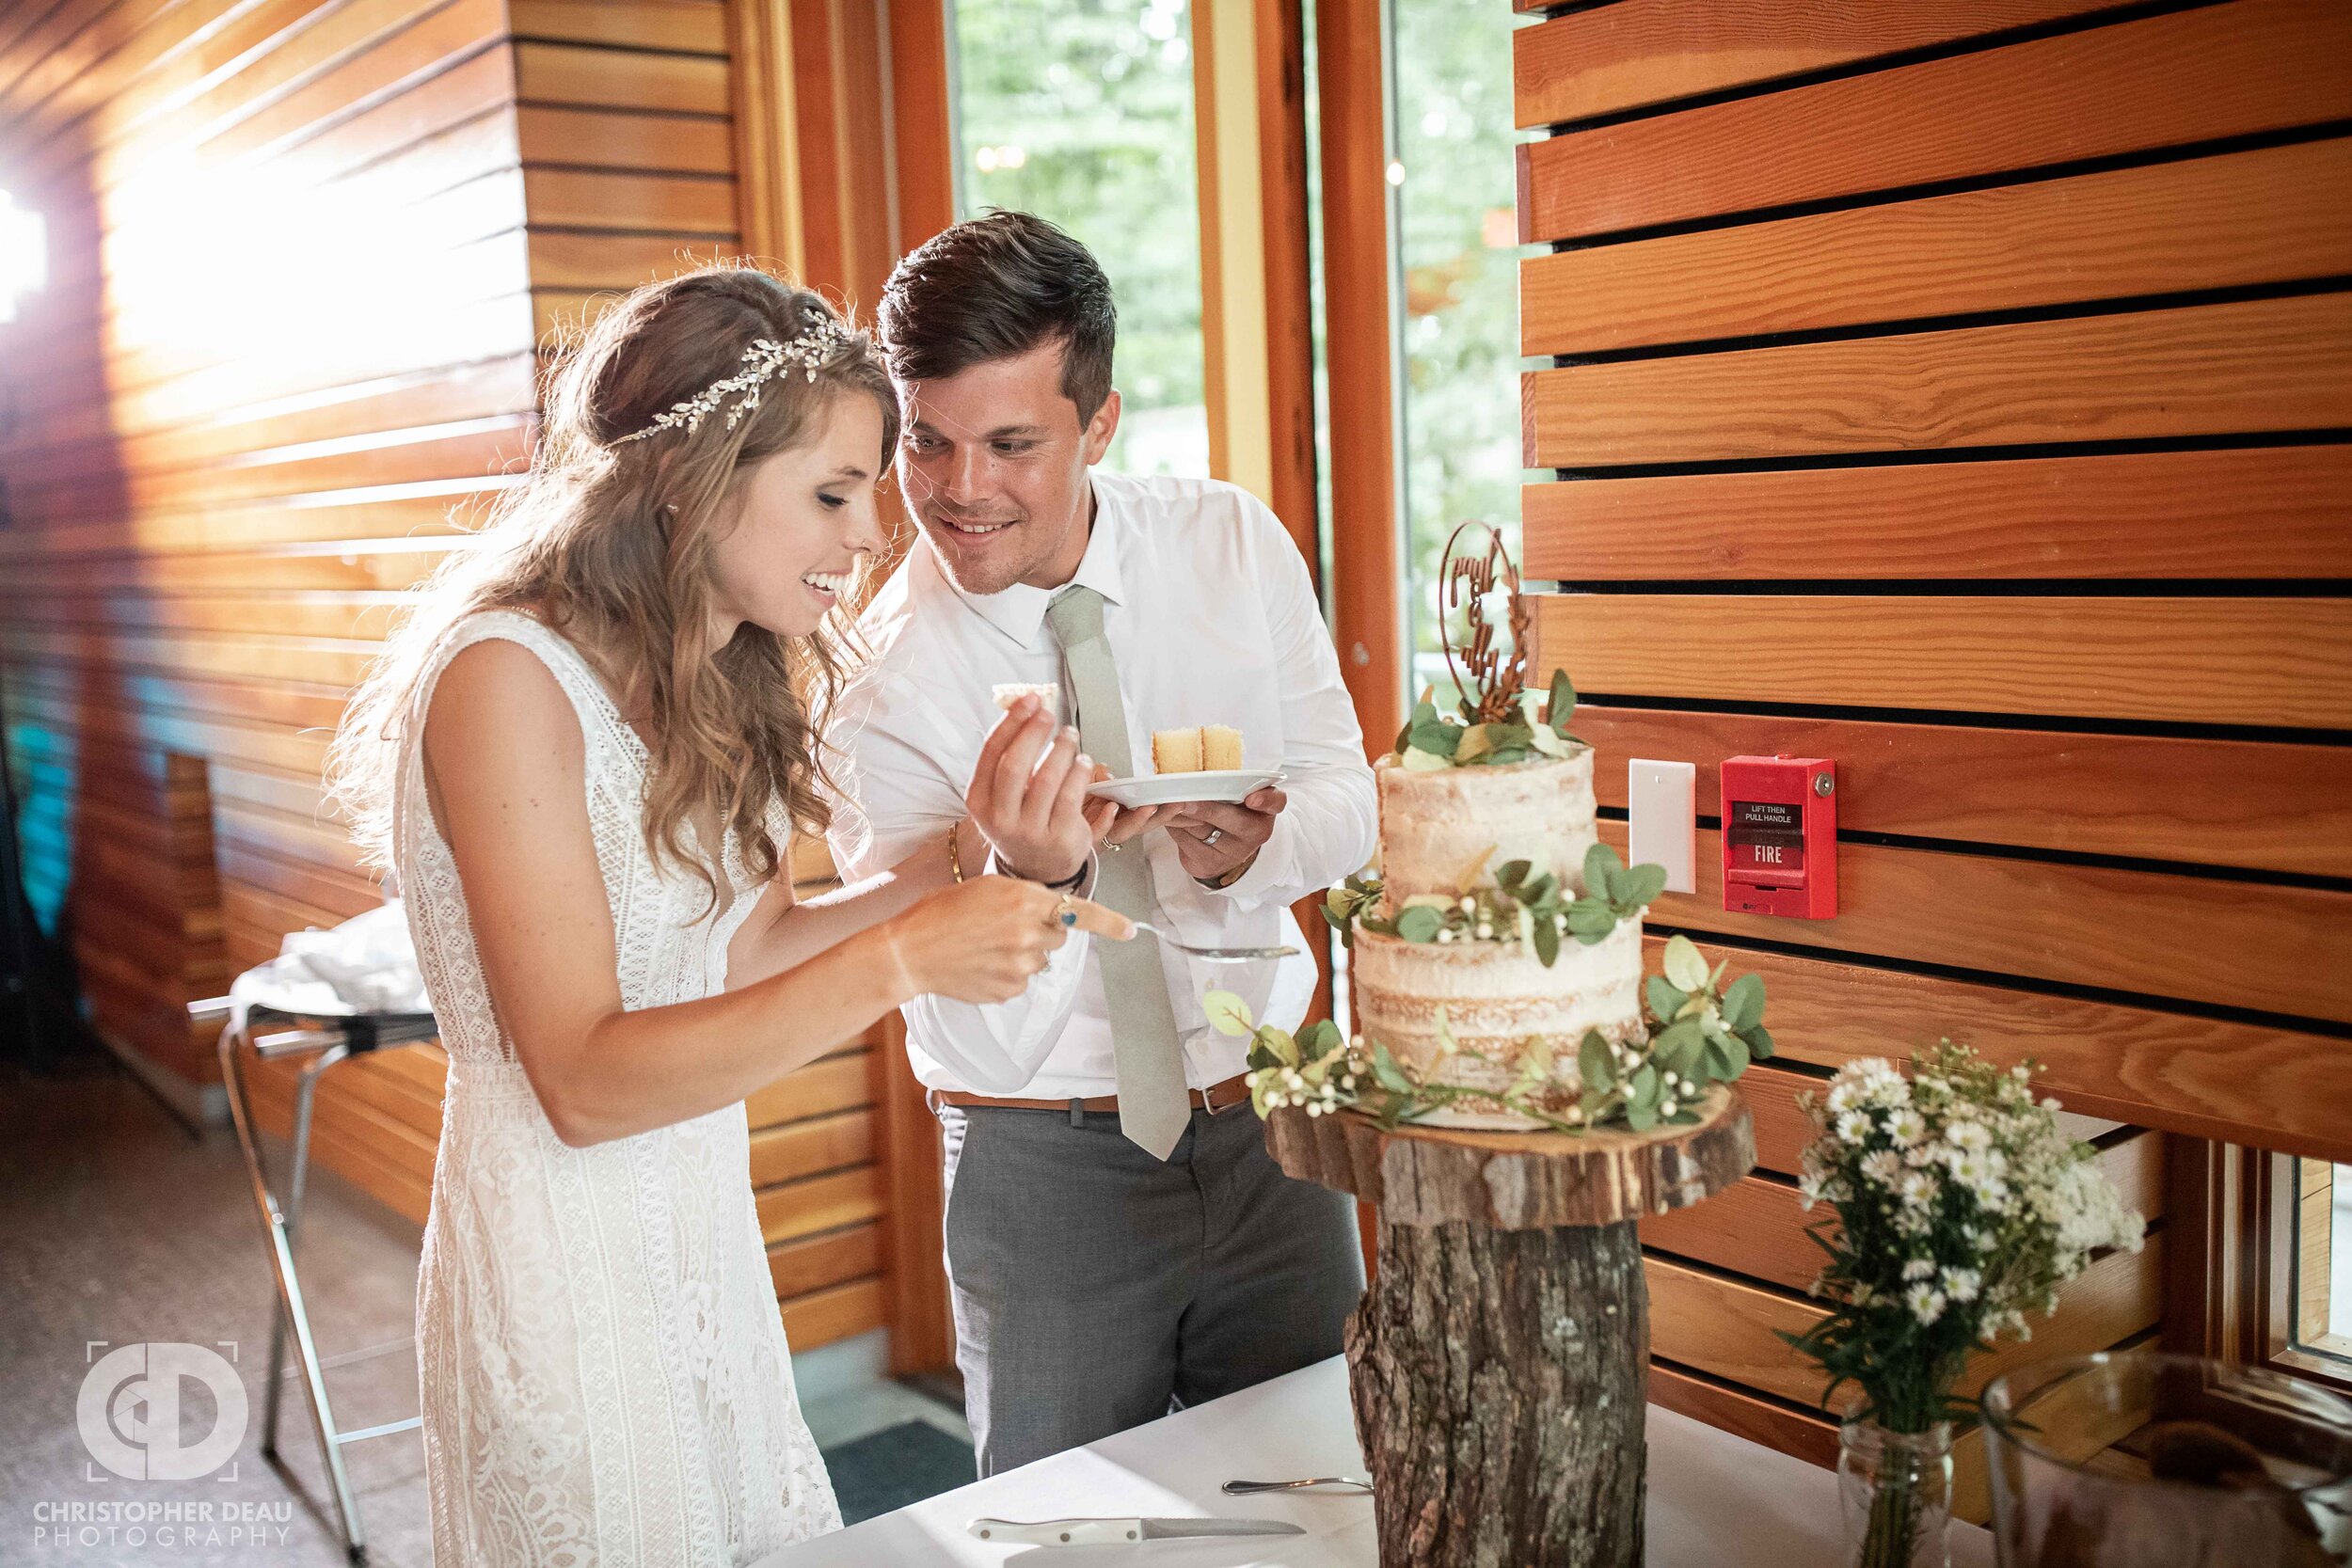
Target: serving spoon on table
<point>1247,1488</point>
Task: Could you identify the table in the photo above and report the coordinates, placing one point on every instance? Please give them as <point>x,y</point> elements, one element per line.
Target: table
<point>1713,1497</point>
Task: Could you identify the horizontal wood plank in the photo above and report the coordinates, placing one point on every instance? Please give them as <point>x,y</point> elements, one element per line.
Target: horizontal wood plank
<point>2249,367</point>
<point>690,144</point>
<point>1730,1330</point>
<point>621,79</point>
<point>1613,58</point>
<point>838,1313</point>
<point>2279,513</point>
<point>2204,223</point>
<point>2255,806</point>
<point>825,1086</point>
<point>817,1262</point>
<point>2282,661</point>
<point>695,26</point>
<point>2163,81</point>
<point>1811,1438</point>
<point>797,1148</point>
<point>657,203</point>
<point>566,262</point>
<point>818,1203</point>
<point>2277,949</point>
<point>2207,1078</point>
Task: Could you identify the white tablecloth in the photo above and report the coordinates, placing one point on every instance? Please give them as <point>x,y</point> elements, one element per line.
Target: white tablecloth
<point>1713,1498</point>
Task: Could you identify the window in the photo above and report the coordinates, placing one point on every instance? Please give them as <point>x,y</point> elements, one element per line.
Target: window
<point>1457,238</point>
<point>2322,1266</point>
<point>1081,111</point>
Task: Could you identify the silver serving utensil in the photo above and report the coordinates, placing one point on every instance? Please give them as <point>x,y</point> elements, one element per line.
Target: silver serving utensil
<point>1217,954</point>
<point>1245,1488</point>
<point>1118,1532</point>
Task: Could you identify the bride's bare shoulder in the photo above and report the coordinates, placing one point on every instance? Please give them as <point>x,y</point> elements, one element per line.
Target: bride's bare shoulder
<point>498,697</point>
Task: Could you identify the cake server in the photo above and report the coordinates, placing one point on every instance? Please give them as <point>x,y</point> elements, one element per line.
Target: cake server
<point>1206,955</point>
<point>1118,1532</point>
<point>1216,954</point>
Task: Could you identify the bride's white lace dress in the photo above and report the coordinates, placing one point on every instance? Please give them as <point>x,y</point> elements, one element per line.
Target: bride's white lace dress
<point>604,1373</point>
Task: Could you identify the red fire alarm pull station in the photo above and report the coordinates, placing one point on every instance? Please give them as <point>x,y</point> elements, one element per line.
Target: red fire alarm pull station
<point>1780,836</point>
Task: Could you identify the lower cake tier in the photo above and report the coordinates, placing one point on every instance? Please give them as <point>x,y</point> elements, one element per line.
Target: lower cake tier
<point>1496,997</point>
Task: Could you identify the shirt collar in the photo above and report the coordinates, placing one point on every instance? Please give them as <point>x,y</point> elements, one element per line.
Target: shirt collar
<point>1019,610</point>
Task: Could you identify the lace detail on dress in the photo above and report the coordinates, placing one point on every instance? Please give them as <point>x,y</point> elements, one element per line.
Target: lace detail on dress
<point>603,1367</point>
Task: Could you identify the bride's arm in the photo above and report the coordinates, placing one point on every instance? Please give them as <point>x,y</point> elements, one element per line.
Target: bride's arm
<point>504,761</point>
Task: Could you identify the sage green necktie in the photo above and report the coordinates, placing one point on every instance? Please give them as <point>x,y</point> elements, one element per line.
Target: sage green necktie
<point>1154,1108</point>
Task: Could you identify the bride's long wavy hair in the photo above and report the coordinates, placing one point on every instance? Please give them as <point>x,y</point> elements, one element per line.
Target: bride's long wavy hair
<point>609,542</point>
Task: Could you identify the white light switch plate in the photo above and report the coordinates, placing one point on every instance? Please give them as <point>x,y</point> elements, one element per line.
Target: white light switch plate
<point>1664,812</point>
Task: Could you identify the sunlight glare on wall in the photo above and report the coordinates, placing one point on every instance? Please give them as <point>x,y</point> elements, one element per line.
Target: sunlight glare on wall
<point>24,255</point>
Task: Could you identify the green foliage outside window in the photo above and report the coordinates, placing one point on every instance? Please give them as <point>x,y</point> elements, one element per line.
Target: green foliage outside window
<point>1081,111</point>
<point>1458,231</point>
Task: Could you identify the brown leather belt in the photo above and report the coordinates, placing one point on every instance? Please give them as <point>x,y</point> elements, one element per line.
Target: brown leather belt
<point>1216,1097</point>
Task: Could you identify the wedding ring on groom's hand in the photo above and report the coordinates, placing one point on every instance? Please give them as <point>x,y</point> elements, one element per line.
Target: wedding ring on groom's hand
<point>1215,833</point>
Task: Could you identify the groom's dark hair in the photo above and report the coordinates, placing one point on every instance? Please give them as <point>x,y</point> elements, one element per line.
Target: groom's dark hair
<point>998,286</point>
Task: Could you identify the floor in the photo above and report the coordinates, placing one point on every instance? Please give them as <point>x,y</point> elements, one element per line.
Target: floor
<point>119,1226</point>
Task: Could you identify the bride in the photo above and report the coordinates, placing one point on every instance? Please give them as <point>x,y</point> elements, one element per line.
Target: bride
<point>581,756</point>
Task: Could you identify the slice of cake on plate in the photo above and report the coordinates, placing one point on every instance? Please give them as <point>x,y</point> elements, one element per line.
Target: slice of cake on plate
<point>1206,749</point>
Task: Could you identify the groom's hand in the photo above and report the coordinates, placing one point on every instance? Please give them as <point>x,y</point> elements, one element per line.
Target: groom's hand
<point>1028,796</point>
<point>1216,842</point>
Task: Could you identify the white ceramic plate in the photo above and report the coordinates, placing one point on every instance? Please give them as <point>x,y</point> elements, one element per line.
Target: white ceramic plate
<point>1166,789</point>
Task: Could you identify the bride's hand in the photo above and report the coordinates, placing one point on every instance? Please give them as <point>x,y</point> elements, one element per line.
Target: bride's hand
<point>1028,796</point>
<point>980,941</point>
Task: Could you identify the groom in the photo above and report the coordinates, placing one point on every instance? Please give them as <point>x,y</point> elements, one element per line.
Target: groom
<point>1119,1240</point>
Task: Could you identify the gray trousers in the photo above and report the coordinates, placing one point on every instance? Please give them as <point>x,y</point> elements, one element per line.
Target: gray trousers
<point>1096,1288</point>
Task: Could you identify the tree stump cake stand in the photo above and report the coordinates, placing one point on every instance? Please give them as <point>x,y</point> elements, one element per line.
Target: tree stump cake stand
<point>1498,1363</point>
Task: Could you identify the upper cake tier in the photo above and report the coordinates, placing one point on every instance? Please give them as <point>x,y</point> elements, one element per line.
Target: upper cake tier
<point>1434,824</point>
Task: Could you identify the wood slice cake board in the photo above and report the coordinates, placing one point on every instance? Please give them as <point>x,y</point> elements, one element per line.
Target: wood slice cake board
<point>1519,1180</point>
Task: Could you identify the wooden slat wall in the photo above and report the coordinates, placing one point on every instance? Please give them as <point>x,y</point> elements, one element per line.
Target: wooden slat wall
<point>628,146</point>
<point>288,333</point>
<point>307,258</point>
<point>1959,391</point>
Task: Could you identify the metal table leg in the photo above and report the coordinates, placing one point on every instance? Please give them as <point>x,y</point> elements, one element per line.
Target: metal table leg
<point>279,1225</point>
<point>305,1097</point>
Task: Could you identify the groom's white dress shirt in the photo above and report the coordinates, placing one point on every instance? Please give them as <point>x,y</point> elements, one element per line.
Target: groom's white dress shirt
<point>1211,619</point>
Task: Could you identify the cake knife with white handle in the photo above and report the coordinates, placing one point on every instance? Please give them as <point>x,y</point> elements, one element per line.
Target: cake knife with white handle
<point>1118,1532</point>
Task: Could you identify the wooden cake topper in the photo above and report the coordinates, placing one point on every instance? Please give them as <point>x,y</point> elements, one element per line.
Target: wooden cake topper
<point>1489,678</point>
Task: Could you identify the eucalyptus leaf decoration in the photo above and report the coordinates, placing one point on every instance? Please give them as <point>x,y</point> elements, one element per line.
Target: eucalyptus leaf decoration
<point>1432,741</point>
<point>1537,909</point>
<point>1700,1032</point>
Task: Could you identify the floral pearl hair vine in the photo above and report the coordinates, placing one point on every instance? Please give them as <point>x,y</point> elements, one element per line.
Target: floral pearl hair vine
<point>764,358</point>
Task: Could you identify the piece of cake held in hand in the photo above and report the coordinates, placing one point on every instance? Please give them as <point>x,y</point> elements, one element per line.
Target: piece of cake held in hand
<point>1210,748</point>
<point>1048,692</point>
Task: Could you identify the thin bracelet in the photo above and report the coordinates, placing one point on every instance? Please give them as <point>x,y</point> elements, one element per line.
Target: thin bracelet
<point>955,862</point>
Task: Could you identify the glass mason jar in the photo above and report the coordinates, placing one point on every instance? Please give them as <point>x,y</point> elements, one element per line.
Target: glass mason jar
<point>1895,1489</point>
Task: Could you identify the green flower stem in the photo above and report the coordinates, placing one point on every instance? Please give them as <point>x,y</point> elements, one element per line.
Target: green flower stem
<point>1892,1538</point>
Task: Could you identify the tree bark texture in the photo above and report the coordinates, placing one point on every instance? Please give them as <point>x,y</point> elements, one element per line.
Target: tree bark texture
<point>1499,1378</point>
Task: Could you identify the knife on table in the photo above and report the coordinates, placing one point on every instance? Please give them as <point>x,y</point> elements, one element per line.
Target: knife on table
<point>1118,1532</point>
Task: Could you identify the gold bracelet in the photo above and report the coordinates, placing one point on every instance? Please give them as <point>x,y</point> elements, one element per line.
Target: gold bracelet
<point>955,862</point>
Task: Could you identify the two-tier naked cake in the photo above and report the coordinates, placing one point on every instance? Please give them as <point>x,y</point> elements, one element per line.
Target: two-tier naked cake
<point>1445,836</point>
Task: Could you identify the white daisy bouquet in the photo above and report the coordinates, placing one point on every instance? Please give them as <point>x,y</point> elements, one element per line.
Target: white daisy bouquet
<point>1962,1206</point>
